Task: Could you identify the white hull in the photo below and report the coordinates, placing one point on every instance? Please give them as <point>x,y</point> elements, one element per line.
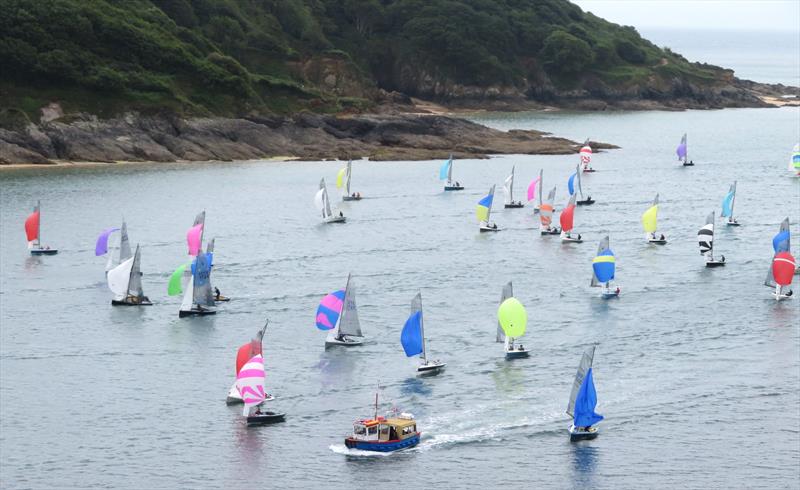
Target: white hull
<point>484,227</point>
<point>517,353</point>
<point>578,435</point>
<point>431,367</point>
<point>347,342</point>
<point>732,223</point>
<point>570,239</point>
<point>781,297</point>
<point>335,219</point>
<point>656,241</point>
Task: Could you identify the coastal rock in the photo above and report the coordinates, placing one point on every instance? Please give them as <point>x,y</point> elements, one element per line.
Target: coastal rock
<point>166,138</point>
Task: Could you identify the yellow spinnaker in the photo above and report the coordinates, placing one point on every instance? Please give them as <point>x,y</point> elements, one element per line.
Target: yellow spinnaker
<point>340,178</point>
<point>513,317</point>
<point>649,219</point>
<point>482,212</point>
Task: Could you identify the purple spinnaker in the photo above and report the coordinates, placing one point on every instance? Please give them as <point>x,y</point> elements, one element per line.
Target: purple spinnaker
<point>102,241</point>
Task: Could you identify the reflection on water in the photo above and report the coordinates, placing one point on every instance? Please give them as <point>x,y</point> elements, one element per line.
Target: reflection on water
<point>335,367</point>
<point>585,457</point>
<point>415,386</point>
<point>508,377</point>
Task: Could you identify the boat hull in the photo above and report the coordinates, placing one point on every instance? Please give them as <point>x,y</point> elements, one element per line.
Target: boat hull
<point>571,240</point>
<point>144,302</point>
<point>579,435</point>
<point>383,447</point>
<point>431,368</point>
<point>335,219</point>
<point>266,418</point>
<point>657,242</point>
<point>44,251</point>
<point>348,342</point>
<point>715,263</point>
<point>454,187</point>
<point>514,206</point>
<point>589,170</point>
<point>221,299</point>
<point>585,202</point>
<point>732,223</point>
<point>688,164</point>
<point>350,198</point>
<point>609,295</point>
<point>195,312</point>
<point>517,354</point>
<point>488,229</point>
<point>554,231</point>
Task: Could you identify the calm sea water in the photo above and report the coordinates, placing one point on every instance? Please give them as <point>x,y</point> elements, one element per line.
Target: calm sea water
<point>697,370</point>
<point>763,56</point>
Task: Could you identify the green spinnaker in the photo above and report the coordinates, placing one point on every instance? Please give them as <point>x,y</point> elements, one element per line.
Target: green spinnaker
<point>513,317</point>
<point>175,280</point>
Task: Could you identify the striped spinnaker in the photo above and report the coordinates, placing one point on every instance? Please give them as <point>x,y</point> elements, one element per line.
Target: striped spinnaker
<point>250,382</point>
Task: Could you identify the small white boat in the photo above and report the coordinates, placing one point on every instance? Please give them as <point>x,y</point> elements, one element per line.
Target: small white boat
<point>483,211</point>
<point>705,238</point>
<point>412,338</point>
<point>511,323</point>
<point>323,204</point>
<point>546,215</point>
<point>343,183</point>
<point>603,270</point>
<point>583,401</point>
<point>650,224</point>
<point>337,314</point>
<point>33,232</point>
<point>683,153</point>
<point>446,173</point>
<point>727,206</point>
<point>508,192</point>
<point>567,220</point>
<point>125,281</point>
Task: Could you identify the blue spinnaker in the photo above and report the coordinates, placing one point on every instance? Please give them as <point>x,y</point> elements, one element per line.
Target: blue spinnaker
<point>411,337</point>
<point>329,310</point>
<point>604,265</point>
<point>444,170</point>
<point>781,242</point>
<point>726,205</point>
<point>585,403</point>
<point>571,184</point>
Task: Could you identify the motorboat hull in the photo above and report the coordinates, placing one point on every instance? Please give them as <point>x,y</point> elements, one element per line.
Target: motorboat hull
<point>383,447</point>
<point>517,354</point>
<point>144,302</point>
<point>431,368</point>
<point>44,251</point>
<point>196,312</point>
<point>579,435</point>
<point>265,418</point>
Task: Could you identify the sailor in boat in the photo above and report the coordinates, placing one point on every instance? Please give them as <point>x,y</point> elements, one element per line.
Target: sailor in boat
<point>341,215</point>
<point>458,184</point>
<point>569,236</point>
<point>520,347</point>
<point>617,290</point>
<point>588,429</point>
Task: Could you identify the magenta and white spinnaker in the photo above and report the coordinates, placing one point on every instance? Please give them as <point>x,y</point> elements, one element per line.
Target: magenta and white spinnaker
<point>250,383</point>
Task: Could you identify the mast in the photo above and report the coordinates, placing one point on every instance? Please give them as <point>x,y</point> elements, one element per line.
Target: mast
<point>511,185</point>
<point>124,243</point>
<point>578,176</point>
<point>733,200</point>
<point>489,208</point>
<point>135,277</point>
<point>541,183</point>
<point>347,177</point>
<point>39,224</point>
<point>450,169</point>
<point>424,357</point>
<point>376,404</point>
<point>348,320</point>
<point>508,291</point>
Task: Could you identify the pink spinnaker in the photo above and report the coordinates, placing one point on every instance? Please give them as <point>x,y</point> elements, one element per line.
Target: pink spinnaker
<point>532,189</point>
<point>194,238</point>
<point>250,383</point>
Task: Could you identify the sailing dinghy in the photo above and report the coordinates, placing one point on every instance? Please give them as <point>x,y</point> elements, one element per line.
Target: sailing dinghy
<point>546,215</point>
<point>250,381</point>
<point>198,299</point>
<point>245,353</point>
<point>508,192</point>
<point>650,224</point>
<point>413,340</point>
<point>783,268</point>
<point>337,314</point>
<point>511,322</point>
<point>586,157</point>
<point>124,252</point>
<point>705,238</point>
<point>483,211</point>
<point>794,161</point>
<point>567,219</point>
<point>727,206</point>
<point>683,153</point>
<point>125,281</point>
<point>446,173</point>
<point>323,204</point>
<point>532,191</point>
<point>603,269</point>
<point>583,400</point>
<point>575,181</point>
<point>781,242</point>
<point>33,232</point>
<point>343,183</point>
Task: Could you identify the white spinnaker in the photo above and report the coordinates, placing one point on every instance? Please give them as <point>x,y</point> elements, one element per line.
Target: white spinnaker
<point>118,279</point>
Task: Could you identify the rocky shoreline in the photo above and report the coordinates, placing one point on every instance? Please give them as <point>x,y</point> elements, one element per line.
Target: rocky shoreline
<point>138,138</point>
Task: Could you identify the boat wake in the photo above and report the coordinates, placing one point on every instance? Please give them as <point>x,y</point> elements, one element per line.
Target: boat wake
<point>357,453</point>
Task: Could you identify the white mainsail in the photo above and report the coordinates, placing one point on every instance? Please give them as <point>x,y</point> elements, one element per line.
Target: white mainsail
<point>188,296</point>
<point>583,368</point>
<point>508,187</point>
<point>604,244</point>
<point>322,201</point>
<point>508,292</point>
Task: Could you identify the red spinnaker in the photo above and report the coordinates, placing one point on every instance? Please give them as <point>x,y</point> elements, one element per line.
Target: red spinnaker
<point>32,226</point>
<point>783,266</point>
<point>566,218</point>
<point>247,352</point>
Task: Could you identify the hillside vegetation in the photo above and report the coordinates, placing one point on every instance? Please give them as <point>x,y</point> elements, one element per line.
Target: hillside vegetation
<point>234,57</point>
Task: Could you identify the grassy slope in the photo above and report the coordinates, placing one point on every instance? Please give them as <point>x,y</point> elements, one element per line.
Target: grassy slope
<point>238,56</point>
